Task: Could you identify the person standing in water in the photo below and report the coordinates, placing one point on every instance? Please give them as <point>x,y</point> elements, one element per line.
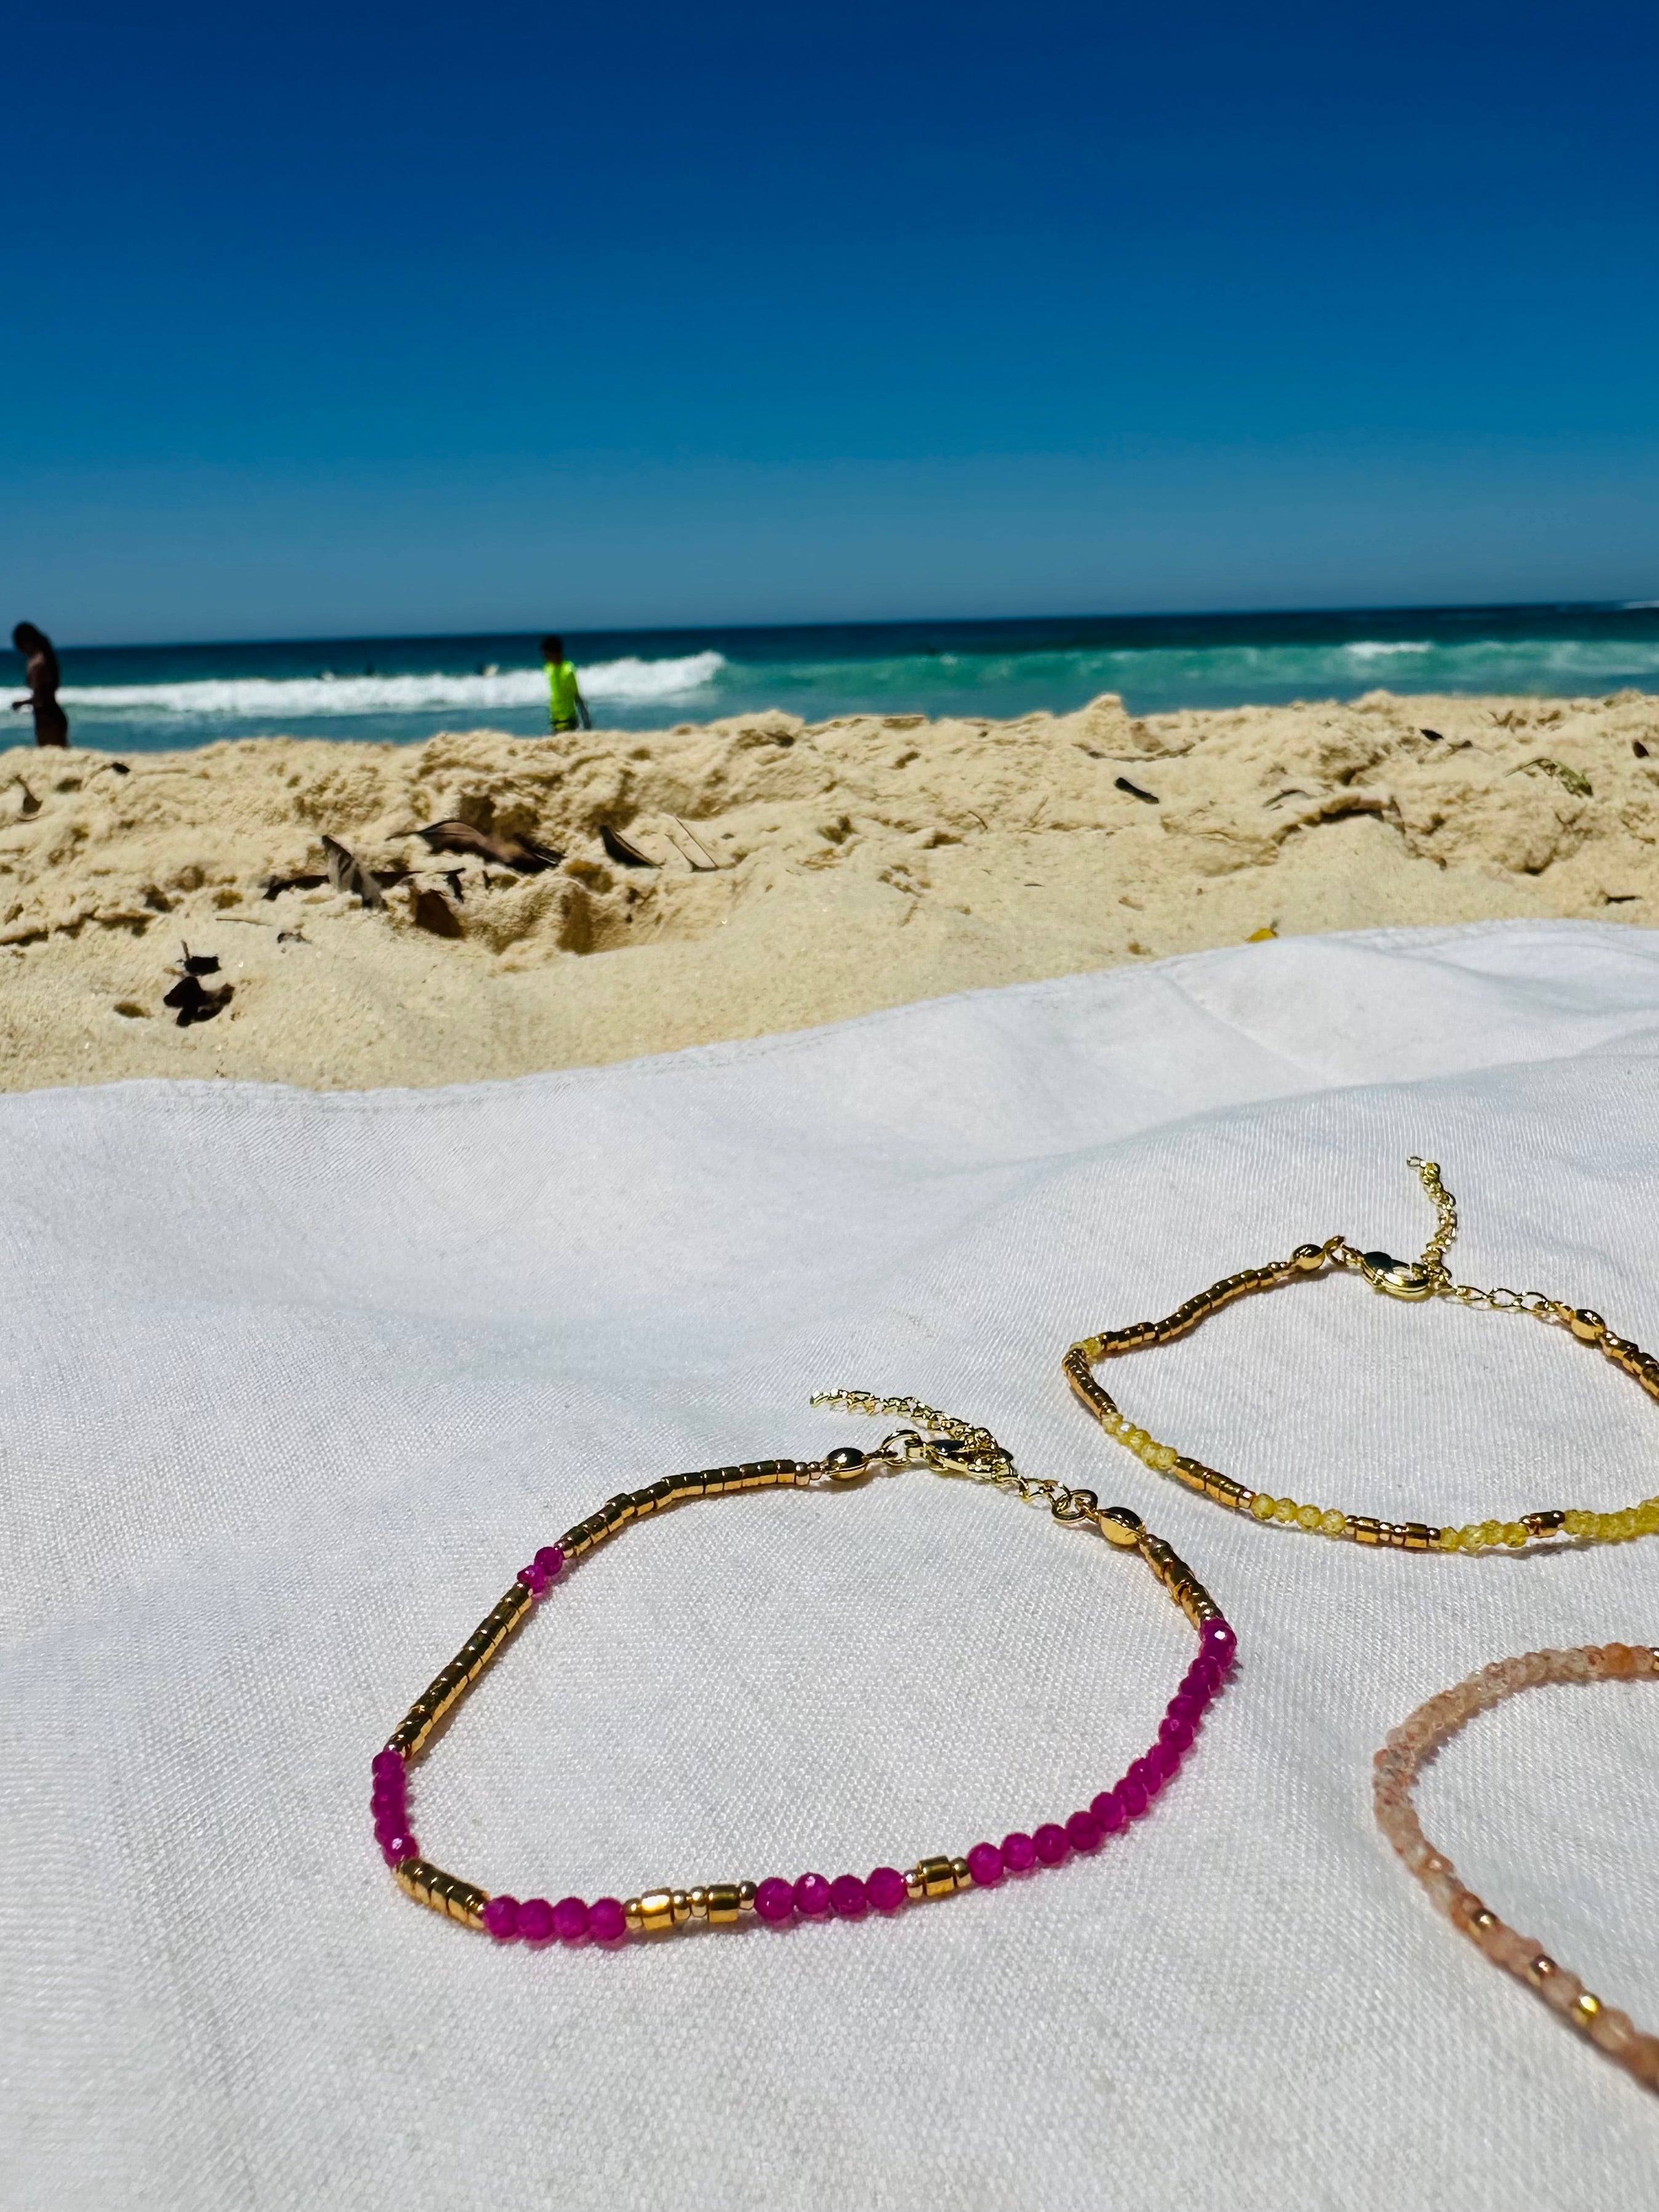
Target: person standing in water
<point>567,709</point>
<point>42,677</point>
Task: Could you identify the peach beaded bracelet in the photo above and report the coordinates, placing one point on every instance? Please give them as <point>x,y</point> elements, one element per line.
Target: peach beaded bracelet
<point>1411,1279</point>
<point>1397,1766</point>
<point>949,1447</point>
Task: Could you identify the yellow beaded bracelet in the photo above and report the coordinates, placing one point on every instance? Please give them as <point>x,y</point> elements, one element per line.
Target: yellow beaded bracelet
<point>1397,1278</point>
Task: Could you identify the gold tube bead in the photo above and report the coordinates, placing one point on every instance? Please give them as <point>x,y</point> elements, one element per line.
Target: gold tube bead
<point>1226,1492</point>
<point>1420,1537</point>
<point>724,1903</point>
<point>938,1877</point>
<point>441,1893</point>
<point>1365,1531</point>
<point>631,1914</point>
<point>913,1888</point>
<point>618,1511</point>
<point>655,1908</point>
<point>1192,1472</point>
<point>643,1502</point>
<point>697,1899</point>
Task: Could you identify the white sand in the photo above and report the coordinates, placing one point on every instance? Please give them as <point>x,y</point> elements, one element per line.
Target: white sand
<point>861,863</point>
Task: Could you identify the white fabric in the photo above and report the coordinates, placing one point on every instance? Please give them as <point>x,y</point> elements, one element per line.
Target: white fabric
<point>292,1385</point>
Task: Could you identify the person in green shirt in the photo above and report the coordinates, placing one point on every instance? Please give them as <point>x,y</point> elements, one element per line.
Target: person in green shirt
<point>567,709</point>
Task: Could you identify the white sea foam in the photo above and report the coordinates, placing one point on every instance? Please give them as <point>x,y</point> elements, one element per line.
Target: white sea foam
<point>283,699</point>
<point>1369,648</point>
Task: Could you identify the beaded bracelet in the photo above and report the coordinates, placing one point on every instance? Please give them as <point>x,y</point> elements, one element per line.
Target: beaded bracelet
<point>1418,1739</point>
<point>1398,1279</point>
<point>949,1447</point>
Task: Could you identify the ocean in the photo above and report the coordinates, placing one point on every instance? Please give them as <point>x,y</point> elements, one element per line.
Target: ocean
<point>148,698</point>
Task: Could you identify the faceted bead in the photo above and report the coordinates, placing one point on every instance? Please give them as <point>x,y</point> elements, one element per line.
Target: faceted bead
<point>1262,1506</point>
<point>1183,1706</point>
<point>984,1865</point>
<point>388,1764</point>
<point>1217,1638</point>
<point>388,1825</point>
<point>549,1559</point>
<point>606,1921</point>
<point>384,1806</point>
<point>848,1896</point>
<point>1621,1660</point>
<point>570,1920</point>
<point>535,1921</point>
<point>1051,1845</point>
<point>1333,1523</point>
<point>1084,1832</point>
<point>1515,1534</point>
<point>1284,1510</point>
<point>1308,1516</point>
<point>1018,1852</point>
<point>501,1918</point>
<point>813,1897</point>
<point>533,1578</point>
<point>1451,1540</point>
<point>1177,1733</point>
<point>396,1849</point>
<point>774,1900</point>
<point>1133,1796</point>
<point>885,1888</point>
<point>1109,1810</point>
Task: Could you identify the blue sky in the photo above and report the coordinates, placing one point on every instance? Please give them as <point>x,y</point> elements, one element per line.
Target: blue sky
<point>358,319</point>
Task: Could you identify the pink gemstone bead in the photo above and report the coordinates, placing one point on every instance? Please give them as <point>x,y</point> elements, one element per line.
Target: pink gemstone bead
<point>886,1890</point>
<point>1204,1677</point>
<point>533,1579</point>
<point>774,1900</point>
<point>849,1897</point>
<point>570,1920</point>
<point>984,1865</point>
<point>1185,1707</point>
<point>501,1918</point>
<point>1177,1733</point>
<point>1051,1845</point>
<point>398,1848</point>
<point>535,1921</point>
<point>1084,1832</point>
<point>1131,1795</point>
<point>1156,1767</point>
<point>388,1825</point>
<point>812,1898</point>
<point>388,1765</point>
<point>383,1806</point>
<point>1018,1852</point>
<point>1109,1810</point>
<point>606,1921</point>
<point>549,1559</point>
<point>1219,1641</point>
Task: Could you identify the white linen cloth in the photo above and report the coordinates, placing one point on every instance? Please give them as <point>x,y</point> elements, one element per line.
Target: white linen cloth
<point>291,1385</point>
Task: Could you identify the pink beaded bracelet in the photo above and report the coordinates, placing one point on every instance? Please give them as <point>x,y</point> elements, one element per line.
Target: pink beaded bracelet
<point>949,1447</point>
<point>1418,1739</point>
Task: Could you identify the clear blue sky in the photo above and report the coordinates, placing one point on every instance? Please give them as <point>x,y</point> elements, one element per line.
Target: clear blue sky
<point>348,318</point>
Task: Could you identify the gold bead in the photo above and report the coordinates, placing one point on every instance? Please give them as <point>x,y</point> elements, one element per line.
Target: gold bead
<point>1540,1970</point>
<point>681,1907</point>
<point>725,1903</point>
<point>1588,1326</point>
<point>913,1888</point>
<point>959,1869</point>
<point>1307,1258</point>
<point>698,1900</point>
<point>1584,2010</point>
<point>1119,1526</point>
<point>746,1896</point>
<point>656,1909</point>
<point>631,1913</point>
<point>938,1877</point>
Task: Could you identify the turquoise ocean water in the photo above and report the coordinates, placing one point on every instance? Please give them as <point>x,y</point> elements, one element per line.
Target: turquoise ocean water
<point>147,698</point>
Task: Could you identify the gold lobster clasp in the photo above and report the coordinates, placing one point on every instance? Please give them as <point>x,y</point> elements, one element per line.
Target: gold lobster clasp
<point>1397,1278</point>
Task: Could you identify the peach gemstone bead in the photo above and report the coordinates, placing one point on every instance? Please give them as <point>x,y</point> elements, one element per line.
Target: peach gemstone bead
<point>1394,1775</point>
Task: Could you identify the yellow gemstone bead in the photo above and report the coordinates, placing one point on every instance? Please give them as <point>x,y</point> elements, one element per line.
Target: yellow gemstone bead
<point>1262,1506</point>
<point>1577,1523</point>
<point>1647,1518</point>
<point>1284,1510</point>
<point>1134,1437</point>
<point>1308,1518</point>
<point>1474,1537</point>
<point>1451,1540</point>
<point>1514,1535</point>
<point>1167,1456</point>
<point>1492,1532</point>
<point>1334,1523</point>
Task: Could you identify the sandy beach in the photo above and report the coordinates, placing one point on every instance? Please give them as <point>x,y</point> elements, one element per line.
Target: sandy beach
<point>759,875</point>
